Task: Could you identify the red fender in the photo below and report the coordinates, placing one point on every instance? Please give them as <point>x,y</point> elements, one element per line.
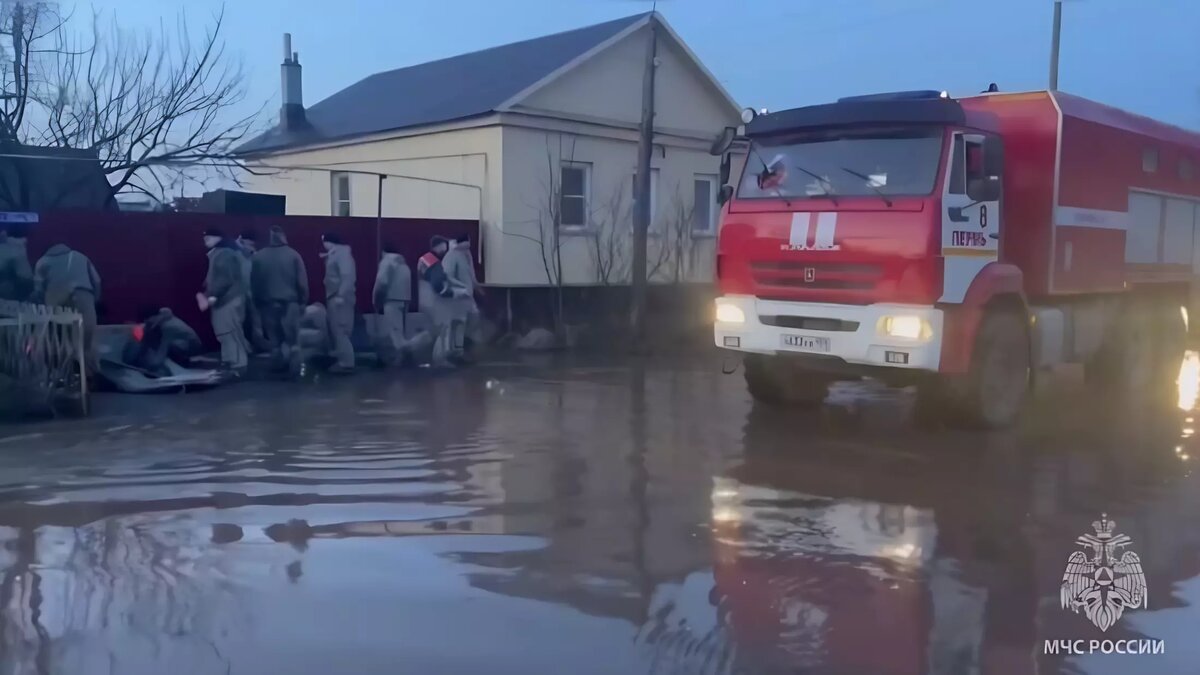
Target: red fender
<point>961,321</point>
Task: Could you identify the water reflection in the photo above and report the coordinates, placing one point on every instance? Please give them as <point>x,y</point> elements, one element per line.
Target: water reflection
<point>608,518</point>
<point>1189,381</point>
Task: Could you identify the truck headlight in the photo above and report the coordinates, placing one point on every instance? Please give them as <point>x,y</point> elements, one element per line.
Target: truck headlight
<point>906,327</point>
<point>727,313</point>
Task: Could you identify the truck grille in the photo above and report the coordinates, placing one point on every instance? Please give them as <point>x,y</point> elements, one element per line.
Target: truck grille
<point>815,275</point>
<point>810,323</point>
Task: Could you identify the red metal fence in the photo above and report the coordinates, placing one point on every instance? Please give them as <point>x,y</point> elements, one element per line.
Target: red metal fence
<point>150,260</point>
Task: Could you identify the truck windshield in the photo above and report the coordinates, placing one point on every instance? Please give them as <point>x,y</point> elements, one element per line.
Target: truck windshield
<point>843,163</point>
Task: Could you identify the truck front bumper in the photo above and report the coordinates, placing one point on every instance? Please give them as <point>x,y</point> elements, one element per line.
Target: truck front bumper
<point>853,334</point>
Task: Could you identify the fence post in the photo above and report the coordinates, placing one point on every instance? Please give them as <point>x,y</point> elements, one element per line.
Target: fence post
<point>84,391</point>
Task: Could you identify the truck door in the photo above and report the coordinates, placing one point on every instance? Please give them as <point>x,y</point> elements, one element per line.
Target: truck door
<point>970,211</point>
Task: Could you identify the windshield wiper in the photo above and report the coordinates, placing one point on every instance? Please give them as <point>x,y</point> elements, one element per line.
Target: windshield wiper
<point>821,181</point>
<point>871,184</point>
<point>766,171</point>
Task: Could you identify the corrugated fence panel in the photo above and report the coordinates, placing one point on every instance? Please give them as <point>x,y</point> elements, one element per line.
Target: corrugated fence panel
<point>150,260</point>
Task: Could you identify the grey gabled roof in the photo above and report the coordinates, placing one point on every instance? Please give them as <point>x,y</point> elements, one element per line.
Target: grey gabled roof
<point>456,88</point>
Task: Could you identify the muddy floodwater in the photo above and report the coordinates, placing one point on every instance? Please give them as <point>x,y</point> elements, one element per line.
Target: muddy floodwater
<point>589,517</point>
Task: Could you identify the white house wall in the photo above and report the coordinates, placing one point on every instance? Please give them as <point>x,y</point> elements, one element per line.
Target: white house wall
<point>609,87</point>
<point>531,160</point>
<point>470,156</point>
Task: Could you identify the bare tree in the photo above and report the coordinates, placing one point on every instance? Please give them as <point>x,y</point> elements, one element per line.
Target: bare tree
<point>548,220</point>
<point>153,106</point>
<point>676,246</point>
<point>610,241</point>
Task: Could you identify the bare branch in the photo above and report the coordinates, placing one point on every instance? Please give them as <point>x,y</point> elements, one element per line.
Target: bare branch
<point>154,106</point>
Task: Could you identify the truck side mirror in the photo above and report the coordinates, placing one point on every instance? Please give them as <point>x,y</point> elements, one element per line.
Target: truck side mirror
<point>723,141</point>
<point>724,194</point>
<point>725,168</point>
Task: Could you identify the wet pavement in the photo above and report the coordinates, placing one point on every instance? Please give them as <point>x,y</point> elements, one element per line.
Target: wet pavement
<point>550,517</point>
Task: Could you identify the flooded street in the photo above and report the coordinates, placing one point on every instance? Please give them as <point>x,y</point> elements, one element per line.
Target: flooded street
<point>584,518</point>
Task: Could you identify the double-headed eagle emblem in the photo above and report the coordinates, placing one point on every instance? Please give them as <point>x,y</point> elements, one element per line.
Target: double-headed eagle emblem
<point>1103,586</point>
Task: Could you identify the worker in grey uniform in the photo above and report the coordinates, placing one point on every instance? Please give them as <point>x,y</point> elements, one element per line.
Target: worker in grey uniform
<point>225,291</point>
<point>255,336</point>
<point>67,278</point>
<point>16,276</point>
<point>464,316</point>
<point>340,277</point>
<point>279,283</point>
<point>392,296</point>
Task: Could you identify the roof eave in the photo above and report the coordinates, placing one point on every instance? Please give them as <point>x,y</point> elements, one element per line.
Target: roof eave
<point>439,126</point>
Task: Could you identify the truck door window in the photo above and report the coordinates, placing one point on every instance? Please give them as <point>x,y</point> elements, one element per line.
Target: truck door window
<point>958,170</point>
<point>975,163</point>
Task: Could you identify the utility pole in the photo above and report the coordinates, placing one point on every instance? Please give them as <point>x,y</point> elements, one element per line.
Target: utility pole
<point>642,215</point>
<point>1054,43</point>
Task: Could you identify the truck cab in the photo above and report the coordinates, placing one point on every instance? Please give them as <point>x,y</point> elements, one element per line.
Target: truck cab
<point>854,235</point>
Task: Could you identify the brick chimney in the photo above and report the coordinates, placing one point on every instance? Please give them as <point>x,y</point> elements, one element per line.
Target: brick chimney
<point>291,113</point>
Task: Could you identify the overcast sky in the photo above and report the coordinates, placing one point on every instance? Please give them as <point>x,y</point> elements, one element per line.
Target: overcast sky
<point>1143,55</point>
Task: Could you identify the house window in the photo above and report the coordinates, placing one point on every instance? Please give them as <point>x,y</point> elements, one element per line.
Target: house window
<point>575,180</point>
<point>1150,160</point>
<point>339,193</point>
<point>653,195</point>
<point>704,204</point>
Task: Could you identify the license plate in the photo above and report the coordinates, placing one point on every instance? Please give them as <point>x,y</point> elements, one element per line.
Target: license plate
<point>807,343</point>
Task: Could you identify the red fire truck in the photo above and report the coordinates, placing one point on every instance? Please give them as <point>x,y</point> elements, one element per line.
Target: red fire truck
<point>958,244</point>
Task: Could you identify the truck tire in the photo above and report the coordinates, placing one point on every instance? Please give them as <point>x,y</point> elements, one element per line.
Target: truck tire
<point>998,381</point>
<point>774,381</point>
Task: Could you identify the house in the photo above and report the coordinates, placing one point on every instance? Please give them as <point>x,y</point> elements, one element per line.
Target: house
<point>536,139</point>
<point>38,178</point>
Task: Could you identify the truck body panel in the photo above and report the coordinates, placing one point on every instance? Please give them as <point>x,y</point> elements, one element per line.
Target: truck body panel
<point>880,233</point>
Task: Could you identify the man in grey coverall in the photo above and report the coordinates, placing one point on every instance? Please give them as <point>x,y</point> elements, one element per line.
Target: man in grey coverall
<point>340,274</point>
<point>393,295</point>
<point>16,276</point>
<point>226,292</point>
<point>67,278</point>
<point>279,285</point>
<point>460,268</point>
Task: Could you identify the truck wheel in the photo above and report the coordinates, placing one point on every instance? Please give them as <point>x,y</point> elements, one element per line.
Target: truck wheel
<point>772,380</point>
<point>999,378</point>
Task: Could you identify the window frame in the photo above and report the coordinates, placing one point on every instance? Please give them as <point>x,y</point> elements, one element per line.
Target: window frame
<point>1150,159</point>
<point>586,196</point>
<point>957,183</point>
<point>335,199</point>
<point>714,209</point>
